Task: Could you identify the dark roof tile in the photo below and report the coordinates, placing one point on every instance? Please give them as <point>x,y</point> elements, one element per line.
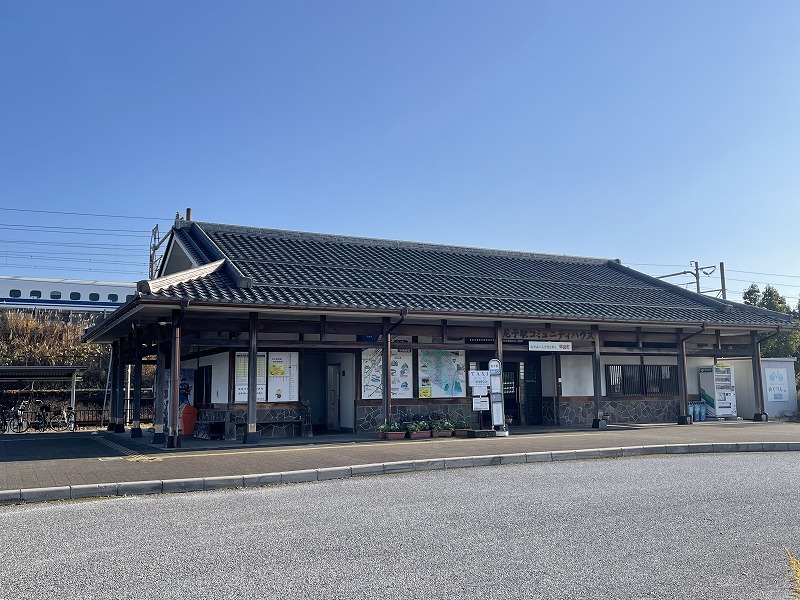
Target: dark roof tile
<point>316,270</point>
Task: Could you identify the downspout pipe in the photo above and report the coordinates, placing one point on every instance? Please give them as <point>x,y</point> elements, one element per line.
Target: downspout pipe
<point>685,418</point>
<point>403,314</point>
<point>386,370</point>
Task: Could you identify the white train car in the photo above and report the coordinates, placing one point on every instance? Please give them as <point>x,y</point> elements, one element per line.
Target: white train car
<point>63,294</point>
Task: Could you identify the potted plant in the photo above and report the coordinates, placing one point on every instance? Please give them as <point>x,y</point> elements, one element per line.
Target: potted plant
<point>442,428</point>
<point>418,429</point>
<point>509,420</point>
<point>391,431</point>
<point>460,427</point>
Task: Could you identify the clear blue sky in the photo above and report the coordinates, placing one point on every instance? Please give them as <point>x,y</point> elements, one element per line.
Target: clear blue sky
<point>654,132</point>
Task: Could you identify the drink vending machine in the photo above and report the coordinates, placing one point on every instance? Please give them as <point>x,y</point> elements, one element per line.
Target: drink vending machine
<point>718,390</point>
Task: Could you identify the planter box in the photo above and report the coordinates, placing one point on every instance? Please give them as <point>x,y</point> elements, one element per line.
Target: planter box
<point>418,435</point>
<point>461,432</point>
<point>482,433</point>
<point>443,433</point>
<point>394,435</point>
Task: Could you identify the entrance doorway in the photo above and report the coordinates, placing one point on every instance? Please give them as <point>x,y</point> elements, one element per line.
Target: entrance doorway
<point>334,397</point>
<point>533,390</point>
<point>511,379</point>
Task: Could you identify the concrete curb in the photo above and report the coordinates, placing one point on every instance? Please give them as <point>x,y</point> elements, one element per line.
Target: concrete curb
<point>198,484</point>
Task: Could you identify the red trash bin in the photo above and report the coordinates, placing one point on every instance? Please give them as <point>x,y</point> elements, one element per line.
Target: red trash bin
<point>188,417</point>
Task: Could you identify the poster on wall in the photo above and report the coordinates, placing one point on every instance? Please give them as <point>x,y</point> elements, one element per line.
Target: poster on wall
<point>283,377</point>
<point>777,385</point>
<point>402,372</point>
<point>240,377</point>
<point>442,374</point>
<point>185,386</point>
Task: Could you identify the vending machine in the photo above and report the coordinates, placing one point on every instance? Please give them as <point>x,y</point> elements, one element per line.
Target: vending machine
<point>718,390</point>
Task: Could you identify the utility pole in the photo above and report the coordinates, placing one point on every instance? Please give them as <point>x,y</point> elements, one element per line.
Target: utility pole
<point>707,271</point>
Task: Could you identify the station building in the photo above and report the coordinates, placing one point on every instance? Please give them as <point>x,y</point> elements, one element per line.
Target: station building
<point>284,333</point>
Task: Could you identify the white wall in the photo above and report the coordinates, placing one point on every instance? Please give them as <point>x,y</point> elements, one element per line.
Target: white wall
<point>693,373</point>
<point>548,376</point>
<point>576,375</point>
<point>745,389</point>
<point>347,361</point>
<point>219,376</point>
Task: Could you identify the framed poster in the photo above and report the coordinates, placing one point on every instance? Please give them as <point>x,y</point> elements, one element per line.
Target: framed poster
<point>402,373</point>
<point>241,371</point>
<point>442,374</point>
<point>283,377</point>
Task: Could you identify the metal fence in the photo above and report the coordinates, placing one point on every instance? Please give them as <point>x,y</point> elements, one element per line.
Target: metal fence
<point>95,417</point>
<point>641,380</point>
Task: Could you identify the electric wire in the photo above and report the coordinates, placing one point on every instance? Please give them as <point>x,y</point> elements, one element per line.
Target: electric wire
<point>80,214</point>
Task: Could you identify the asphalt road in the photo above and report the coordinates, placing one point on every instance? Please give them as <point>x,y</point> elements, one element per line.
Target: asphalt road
<point>705,526</point>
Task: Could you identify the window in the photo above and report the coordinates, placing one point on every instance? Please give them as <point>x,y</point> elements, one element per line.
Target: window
<point>15,294</point>
<point>74,295</point>
<point>641,380</point>
<point>113,298</point>
<point>36,294</point>
<point>94,296</point>
<point>55,295</point>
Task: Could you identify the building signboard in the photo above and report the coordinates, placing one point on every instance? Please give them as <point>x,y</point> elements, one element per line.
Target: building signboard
<point>550,346</point>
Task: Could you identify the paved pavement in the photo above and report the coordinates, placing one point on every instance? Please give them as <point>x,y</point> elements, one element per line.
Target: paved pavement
<point>45,466</point>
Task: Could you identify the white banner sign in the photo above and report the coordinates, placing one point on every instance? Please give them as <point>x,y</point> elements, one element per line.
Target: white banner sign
<point>550,346</point>
<point>480,403</point>
<point>479,379</point>
<point>777,381</point>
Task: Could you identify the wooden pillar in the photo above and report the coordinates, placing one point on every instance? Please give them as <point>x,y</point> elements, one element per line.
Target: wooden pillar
<point>113,375</point>
<point>119,397</point>
<point>173,440</point>
<point>136,426</point>
<point>498,340</point>
<point>160,398</point>
<point>599,422</point>
<point>684,418</point>
<point>386,371</point>
<point>758,379</point>
<point>252,435</point>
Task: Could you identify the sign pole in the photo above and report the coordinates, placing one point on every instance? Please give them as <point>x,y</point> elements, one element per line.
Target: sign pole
<point>496,395</point>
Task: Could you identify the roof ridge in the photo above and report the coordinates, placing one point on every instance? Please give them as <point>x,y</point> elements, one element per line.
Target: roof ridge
<point>465,275</point>
<point>474,295</point>
<point>330,237</point>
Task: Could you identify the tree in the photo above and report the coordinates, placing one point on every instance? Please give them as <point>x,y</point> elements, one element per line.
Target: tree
<point>783,344</point>
<point>45,339</point>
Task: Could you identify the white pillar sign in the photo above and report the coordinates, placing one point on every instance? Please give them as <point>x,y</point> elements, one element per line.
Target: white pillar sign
<point>496,392</point>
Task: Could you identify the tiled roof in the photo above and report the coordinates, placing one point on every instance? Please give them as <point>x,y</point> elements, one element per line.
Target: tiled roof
<point>286,268</point>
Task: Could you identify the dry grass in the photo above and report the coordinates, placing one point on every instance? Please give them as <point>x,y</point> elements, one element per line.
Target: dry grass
<point>794,573</point>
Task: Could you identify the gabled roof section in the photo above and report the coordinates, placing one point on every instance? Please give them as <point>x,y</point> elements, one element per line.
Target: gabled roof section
<point>161,284</point>
<point>276,268</point>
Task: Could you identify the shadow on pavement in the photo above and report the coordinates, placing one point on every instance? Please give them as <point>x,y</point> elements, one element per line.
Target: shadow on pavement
<point>59,446</point>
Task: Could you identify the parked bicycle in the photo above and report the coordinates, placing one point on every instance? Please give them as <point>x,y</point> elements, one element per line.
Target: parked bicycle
<point>64,419</point>
<point>18,423</point>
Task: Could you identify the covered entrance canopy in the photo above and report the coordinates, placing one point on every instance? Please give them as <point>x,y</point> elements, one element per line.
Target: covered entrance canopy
<point>36,373</point>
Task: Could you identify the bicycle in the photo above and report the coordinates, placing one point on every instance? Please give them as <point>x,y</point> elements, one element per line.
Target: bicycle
<point>18,422</point>
<point>64,419</point>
